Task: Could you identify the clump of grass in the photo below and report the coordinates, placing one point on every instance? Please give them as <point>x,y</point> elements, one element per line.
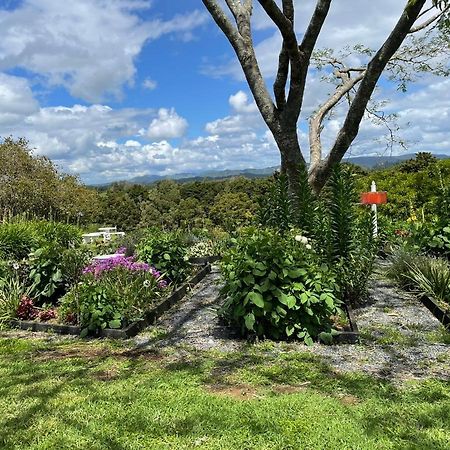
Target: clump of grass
<point>422,274</point>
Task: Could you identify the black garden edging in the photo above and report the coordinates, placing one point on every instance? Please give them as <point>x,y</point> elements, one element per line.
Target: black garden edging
<point>201,260</point>
<point>436,310</point>
<point>132,329</point>
<point>348,337</point>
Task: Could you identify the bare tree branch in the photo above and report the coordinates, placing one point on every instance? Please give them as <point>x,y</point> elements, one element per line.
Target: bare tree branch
<point>243,46</point>
<point>298,79</point>
<point>429,21</point>
<point>350,128</point>
<point>315,123</point>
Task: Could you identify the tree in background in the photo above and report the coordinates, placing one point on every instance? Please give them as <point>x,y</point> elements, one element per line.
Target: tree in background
<point>355,85</point>
<point>32,185</point>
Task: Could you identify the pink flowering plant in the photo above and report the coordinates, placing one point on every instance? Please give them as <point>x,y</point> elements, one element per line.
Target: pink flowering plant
<point>113,292</point>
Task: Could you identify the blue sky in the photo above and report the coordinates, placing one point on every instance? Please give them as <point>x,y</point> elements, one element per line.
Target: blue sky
<point>112,89</point>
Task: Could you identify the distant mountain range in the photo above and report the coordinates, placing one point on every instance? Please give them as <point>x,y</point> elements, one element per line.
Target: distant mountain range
<point>366,162</point>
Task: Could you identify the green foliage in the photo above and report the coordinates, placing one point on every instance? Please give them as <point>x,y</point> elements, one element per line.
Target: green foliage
<point>17,240</point>
<point>233,210</point>
<point>305,212</point>
<point>45,270</point>
<point>32,185</point>
<point>19,237</point>
<point>12,289</point>
<point>276,287</point>
<point>95,307</point>
<point>422,274</point>
<point>113,300</point>
<point>431,238</point>
<point>166,251</point>
<point>341,206</point>
<point>275,209</point>
<point>341,235</point>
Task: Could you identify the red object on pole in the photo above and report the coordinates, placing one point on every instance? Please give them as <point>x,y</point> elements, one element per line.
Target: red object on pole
<point>374,198</point>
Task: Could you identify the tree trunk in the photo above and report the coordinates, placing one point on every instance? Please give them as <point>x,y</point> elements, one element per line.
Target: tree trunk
<point>291,159</point>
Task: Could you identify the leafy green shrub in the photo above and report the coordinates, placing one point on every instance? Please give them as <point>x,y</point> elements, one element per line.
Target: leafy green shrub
<point>275,286</point>
<point>166,251</point>
<point>17,240</point>
<point>342,235</point>
<point>432,238</point>
<point>45,270</point>
<point>58,233</point>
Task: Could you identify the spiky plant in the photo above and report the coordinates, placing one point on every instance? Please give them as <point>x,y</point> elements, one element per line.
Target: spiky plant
<point>341,202</point>
<point>305,212</point>
<point>275,209</point>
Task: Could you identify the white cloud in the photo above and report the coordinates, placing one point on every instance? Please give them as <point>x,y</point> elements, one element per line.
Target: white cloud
<point>87,46</point>
<point>149,84</point>
<point>131,143</point>
<point>168,125</point>
<point>240,104</point>
<point>16,99</point>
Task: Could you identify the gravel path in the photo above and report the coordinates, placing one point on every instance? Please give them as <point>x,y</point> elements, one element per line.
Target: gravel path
<point>400,338</point>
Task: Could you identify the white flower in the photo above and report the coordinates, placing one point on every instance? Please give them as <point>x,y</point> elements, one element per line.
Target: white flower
<point>147,283</point>
<point>302,239</point>
<point>16,266</point>
<point>308,246</point>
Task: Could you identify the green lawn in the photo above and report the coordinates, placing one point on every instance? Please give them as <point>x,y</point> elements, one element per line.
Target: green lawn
<point>99,395</point>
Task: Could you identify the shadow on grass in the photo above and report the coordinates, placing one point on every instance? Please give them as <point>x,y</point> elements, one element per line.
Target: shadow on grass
<point>38,378</point>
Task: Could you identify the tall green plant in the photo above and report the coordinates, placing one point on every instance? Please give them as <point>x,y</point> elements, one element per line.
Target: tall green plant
<point>275,209</point>
<point>341,203</point>
<point>305,212</point>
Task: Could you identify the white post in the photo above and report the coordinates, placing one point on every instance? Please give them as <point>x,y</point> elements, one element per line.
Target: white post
<point>374,211</point>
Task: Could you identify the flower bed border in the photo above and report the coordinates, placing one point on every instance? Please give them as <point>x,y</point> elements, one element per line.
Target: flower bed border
<point>436,310</point>
<point>131,330</point>
<point>348,337</point>
<point>201,260</point>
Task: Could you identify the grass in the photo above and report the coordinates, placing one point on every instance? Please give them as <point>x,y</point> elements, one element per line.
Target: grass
<point>102,395</point>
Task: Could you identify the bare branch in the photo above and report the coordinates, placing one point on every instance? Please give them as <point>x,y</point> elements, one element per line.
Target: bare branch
<point>350,128</point>
<point>429,21</point>
<point>314,27</point>
<point>279,86</point>
<point>223,22</point>
<point>298,77</point>
<point>242,44</point>
<point>315,123</point>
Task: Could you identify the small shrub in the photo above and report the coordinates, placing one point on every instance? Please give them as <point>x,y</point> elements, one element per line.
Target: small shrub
<point>12,293</point>
<point>26,309</point>
<point>17,240</point>
<point>275,286</point>
<point>166,251</point>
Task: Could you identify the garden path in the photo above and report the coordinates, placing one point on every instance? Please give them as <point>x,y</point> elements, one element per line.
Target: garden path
<point>400,338</point>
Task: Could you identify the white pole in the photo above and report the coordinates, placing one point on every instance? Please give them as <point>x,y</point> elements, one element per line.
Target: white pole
<point>374,212</point>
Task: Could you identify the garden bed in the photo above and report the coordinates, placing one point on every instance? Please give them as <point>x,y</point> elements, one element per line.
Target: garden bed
<point>131,330</point>
<point>440,314</point>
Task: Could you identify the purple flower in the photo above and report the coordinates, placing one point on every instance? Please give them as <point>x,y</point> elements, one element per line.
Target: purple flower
<point>99,266</point>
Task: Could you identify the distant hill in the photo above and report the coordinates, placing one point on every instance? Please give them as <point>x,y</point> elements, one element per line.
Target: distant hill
<point>366,162</point>
<point>378,162</point>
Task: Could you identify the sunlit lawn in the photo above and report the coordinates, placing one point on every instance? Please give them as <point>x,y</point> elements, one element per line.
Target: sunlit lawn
<point>100,395</point>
